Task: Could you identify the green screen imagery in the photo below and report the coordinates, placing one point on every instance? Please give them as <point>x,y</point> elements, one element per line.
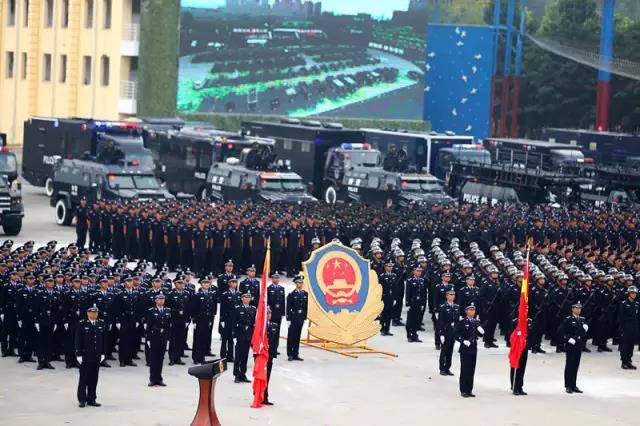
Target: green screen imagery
<point>350,58</point>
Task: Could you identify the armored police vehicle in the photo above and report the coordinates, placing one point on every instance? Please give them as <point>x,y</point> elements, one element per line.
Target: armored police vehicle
<point>183,157</point>
<point>46,139</point>
<point>356,172</point>
<point>11,208</point>
<point>75,179</point>
<point>256,176</point>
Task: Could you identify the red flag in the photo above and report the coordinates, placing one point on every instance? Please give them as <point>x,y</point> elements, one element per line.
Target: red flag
<point>259,340</point>
<point>519,335</point>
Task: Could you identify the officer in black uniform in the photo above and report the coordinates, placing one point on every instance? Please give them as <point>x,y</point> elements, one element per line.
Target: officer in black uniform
<point>628,323</point>
<point>573,333</point>
<point>105,300</point>
<point>95,244</point>
<point>144,236</point>
<point>297,303</point>
<point>118,232</point>
<point>47,318</point>
<point>245,318</point>
<point>26,308</point>
<point>387,280</point>
<point>258,243</point>
<point>416,300</point>
<point>229,299</point>
<point>200,245</point>
<point>127,321</point>
<point>158,239</point>
<point>490,302</point>
<point>9,330</point>
<point>157,325</point>
<point>236,240</point>
<point>276,300</point>
<point>251,285</point>
<point>105,228</point>
<point>516,375</point>
<point>273,334</point>
<point>447,317</point>
<point>82,222</point>
<point>224,278</point>
<point>89,344</point>
<point>179,302</point>
<point>204,307</point>
<point>400,269</point>
<point>467,332</point>
<point>172,244</point>
<point>74,302</point>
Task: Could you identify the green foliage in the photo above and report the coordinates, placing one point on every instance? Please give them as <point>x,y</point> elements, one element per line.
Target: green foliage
<point>232,121</point>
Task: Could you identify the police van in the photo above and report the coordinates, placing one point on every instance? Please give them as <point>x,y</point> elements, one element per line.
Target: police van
<point>75,179</point>
<point>47,139</point>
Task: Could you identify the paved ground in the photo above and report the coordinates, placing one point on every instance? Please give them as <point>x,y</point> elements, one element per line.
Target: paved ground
<point>325,389</point>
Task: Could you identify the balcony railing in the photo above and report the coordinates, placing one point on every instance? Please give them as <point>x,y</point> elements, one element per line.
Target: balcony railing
<point>128,89</point>
<point>131,32</point>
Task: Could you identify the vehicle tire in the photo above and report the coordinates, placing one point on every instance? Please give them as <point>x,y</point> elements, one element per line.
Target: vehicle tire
<point>389,203</point>
<point>204,194</point>
<point>13,227</point>
<point>330,195</point>
<point>48,187</point>
<point>63,215</point>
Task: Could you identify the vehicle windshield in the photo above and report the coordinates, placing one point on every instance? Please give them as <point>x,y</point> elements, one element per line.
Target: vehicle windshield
<point>143,158</point>
<point>8,163</point>
<point>282,184</point>
<point>474,156</point>
<point>133,182</point>
<point>362,158</point>
<point>4,182</point>
<point>420,185</point>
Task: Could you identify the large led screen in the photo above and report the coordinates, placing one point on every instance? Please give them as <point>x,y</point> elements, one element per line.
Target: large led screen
<point>351,58</point>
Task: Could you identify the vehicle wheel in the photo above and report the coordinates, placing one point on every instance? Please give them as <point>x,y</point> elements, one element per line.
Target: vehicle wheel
<point>389,202</point>
<point>12,228</point>
<point>48,187</point>
<point>63,215</point>
<point>204,194</point>
<point>330,195</point>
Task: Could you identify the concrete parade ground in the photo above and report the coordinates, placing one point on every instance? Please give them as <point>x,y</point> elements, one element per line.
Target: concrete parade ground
<point>325,389</point>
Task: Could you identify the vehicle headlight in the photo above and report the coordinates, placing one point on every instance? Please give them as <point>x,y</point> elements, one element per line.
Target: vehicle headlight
<point>16,200</point>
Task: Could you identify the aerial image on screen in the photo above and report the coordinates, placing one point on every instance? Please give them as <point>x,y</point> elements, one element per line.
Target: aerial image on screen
<point>350,58</point>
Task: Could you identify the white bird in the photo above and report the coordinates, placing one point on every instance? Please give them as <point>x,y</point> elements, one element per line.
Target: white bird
<point>464,100</point>
<point>474,69</point>
<point>468,129</point>
<point>458,30</point>
<point>459,44</point>
<point>473,91</point>
<point>427,89</point>
<point>464,78</point>
<point>454,112</point>
<point>432,54</point>
<point>478,56</point>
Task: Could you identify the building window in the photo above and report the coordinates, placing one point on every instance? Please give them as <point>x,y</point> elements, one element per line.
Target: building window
<point>46,67</point>
<point>10,64</point>
<point>24,65</point>
<point>65,14</point>
<point>63,68</point>
<point>11,15</point>
<point>25,22</point>
<point>86,70</point>
<point>105,70</point>
<point>88,10</point>
<point>48,17</point>
<point>305,147</point>
<point>107,14</point>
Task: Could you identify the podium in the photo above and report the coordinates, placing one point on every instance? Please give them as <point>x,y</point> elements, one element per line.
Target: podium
<point>207,375</point>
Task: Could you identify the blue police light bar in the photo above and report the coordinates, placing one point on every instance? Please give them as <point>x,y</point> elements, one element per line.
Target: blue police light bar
<point>468,147</point>
<point>350,146</point>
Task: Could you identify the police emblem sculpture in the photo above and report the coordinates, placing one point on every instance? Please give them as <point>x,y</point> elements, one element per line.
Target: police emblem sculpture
<point>345,297</point>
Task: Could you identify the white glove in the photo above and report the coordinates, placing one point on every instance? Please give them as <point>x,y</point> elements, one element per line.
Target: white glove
<point>66,326</point>
<point>186,326</point>
<point>137,324</point>
<point>222,324</point>
<point>572,341</point>
<point>442,339</point>
<point>118,326</point>
<point>478,317</point>
<point>586,327</point>
<point>480,329</point>
<point>149,344</point>
<point>101,358</point>
<point>466,343</point>
<point>55,326</point>
<point>437,314</point>
<point>1,317</point>
<point>79,358</point>
<point>38,327</point>
<point>19,323</point>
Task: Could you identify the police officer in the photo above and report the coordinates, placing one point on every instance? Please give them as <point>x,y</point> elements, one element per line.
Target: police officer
<point>82,222</point>
<point>201,244</point>
<point>251,285</point>
<point>229,299</point>
<point>95,243</point>
<point>400,269</point>
<point>26,308</point>
<point>447,317</point>
<point>387,281</point>
<point>628,323</point>
<point>573,333</point>
<point>276,300</point>
<point>179,302</point>
<point>157,325</point>
<point>416,300</point>
<point>128,320</point>
<point>105,300</point>
<point>204,307</point>
<point>9,331</point>
<point>89,344</point>
<point>516,375</point>
<point>47,317</point>
<point>297,302</point>
<point>245,317</point>
<point>467,332</point>
<point>172,243</point>
<point>74,302</point>
<point>273,334</point>
<point>224,278</point>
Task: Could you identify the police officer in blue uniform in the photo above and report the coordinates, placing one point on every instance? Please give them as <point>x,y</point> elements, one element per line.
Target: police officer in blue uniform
<point>179,301</point>
<point>127,321</point>
<point>276,300</point>
<point>273,334</point>
<point>157,325</point>
<point>297,304</point>
<point>245,318</point>
<point>89,345</point>
<point>74,302</point>
<point>387,280</point>
<point>447,316</point>
<point>82,222</point>
<point>9,332</point>
<point>104,299</point>
<point>629,327</point>
<point>204,306</point>
<point>26,308</point>
<point>251,285</point>
<point>47,318</point>
<point>573,333</point>
<point>467,332</point>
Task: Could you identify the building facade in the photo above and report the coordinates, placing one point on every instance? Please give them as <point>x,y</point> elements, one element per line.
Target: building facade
<point>67,58</point>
